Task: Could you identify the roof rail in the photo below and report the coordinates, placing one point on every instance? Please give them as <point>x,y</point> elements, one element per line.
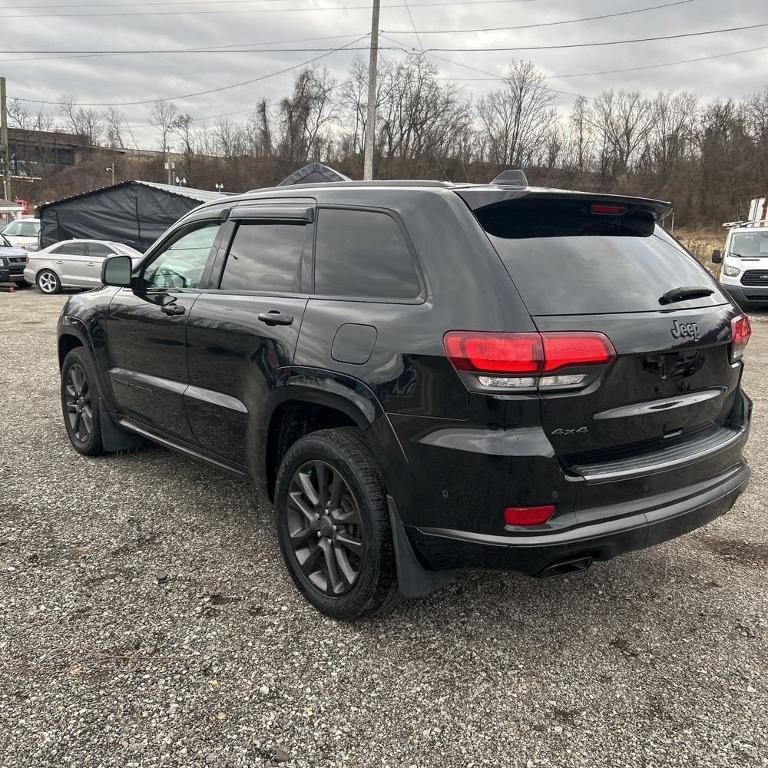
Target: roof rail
<point>755,223</point>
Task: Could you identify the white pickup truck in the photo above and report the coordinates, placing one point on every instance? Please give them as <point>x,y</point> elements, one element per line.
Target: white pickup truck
<point>744,273</point>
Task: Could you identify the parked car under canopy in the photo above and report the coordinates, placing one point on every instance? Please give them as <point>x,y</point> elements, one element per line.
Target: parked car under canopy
<point>133,212</point>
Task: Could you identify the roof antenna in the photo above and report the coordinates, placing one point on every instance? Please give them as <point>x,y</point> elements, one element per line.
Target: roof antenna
<point>511,178</point>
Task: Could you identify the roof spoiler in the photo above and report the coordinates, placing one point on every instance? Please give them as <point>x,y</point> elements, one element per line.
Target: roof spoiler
<point>512,177</point>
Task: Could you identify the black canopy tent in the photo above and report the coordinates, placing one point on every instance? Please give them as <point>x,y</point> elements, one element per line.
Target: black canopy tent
<point>312,174</point>
<point>133,212</point>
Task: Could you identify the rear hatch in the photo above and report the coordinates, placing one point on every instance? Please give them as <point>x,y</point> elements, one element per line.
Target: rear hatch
<point>593,264</point>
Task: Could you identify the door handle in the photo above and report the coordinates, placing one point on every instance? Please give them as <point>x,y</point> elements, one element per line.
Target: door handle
<point>275,317</point>
<point>173,309</point>
<point>59,261</point>
<point>90,264</point>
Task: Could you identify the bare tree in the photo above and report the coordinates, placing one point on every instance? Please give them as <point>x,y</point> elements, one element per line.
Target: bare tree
<point>516,119</point>
<point>163,114</point>
<point>84,122</point>
<point>304,115</point>
<point>623,121</point>
<point>114,121</point>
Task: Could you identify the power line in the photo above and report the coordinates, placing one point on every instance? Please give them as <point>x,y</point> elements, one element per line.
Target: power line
<point>222,48</point>
<point>327,52</point>
<point>304,9</point>
<point>541,24</point>
<point>406,48</point>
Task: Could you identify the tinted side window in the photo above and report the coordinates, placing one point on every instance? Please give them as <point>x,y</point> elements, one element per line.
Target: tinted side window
<point>99,251</point>
<point>363,254</point>
<point>71,249</point>
<point>182,262</point>
<point>265,257</point>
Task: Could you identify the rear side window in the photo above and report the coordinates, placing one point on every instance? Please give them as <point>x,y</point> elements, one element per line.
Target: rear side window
<point>265,257</point>
<point>363,254</point>
<point>566,260</point>
<point>99,250</point>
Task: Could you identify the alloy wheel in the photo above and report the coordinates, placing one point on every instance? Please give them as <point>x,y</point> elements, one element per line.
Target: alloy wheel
<point>325,528</point>
<point>78,404</point>
<point>47,282</point>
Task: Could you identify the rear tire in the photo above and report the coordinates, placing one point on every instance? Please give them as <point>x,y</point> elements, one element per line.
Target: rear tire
<point>80,398</point>
<point>48,282</point>
<point>333,525</point>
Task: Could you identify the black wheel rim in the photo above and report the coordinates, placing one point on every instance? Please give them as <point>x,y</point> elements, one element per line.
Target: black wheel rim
<point>77,403</point>
<point>325,530</point>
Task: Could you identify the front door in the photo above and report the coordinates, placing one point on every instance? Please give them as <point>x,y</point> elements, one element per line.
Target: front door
<point>147,331</point>
<point>242,334</point>
<point>69,261</point>
<point>97,252</point>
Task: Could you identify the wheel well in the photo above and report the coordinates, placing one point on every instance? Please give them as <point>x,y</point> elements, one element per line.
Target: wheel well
<point>67,343</point>
<point>290,422</point>
<point>44,269</point>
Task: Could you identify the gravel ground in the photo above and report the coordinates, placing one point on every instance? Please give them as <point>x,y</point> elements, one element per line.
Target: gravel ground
<point>146,620</point>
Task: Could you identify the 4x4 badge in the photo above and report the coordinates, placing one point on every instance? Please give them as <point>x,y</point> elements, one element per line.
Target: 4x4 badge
<point>680,330</point>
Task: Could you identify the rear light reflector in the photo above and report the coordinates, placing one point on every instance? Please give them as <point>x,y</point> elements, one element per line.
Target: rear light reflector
<point>741,330</point>
<point>522,360</point>
<point>528,515</point>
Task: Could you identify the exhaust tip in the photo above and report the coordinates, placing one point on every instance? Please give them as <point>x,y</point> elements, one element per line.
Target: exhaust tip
<point>567,566</point>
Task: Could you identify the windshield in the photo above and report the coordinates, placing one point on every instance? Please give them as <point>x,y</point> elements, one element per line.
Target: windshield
<point>749,244</point>
<point>126,250</point>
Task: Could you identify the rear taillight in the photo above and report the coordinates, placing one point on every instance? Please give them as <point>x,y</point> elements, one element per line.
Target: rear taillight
<point>525,360</point>
<point>741,330</point>
<point>603,209</point>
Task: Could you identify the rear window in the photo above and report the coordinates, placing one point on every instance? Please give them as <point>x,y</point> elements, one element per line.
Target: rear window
<point>566,260</point>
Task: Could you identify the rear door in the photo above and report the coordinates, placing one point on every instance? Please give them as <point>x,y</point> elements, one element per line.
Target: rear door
<point>243,333</point>
<point>585,267</point>
<point>97,252</point>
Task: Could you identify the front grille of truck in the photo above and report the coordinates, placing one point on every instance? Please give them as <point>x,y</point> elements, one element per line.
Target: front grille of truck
<point>755,277</point>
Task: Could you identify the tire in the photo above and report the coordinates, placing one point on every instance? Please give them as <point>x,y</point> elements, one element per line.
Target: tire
<point>48,282</point>
<point>80,403</point>
<point>21,284</point>
<point>362,580</point>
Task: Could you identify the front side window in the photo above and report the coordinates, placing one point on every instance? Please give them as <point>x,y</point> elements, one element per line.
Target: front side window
<point>181,263</point>
<point>363,254</point>
<point>70,249</point>
<point>265,257</point>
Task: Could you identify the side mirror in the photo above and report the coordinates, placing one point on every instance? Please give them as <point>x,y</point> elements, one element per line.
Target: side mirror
<point>717,256</point>
<point>116,271</point>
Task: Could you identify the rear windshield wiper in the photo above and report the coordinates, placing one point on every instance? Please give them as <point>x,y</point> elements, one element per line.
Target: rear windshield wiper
<point>683,293</point>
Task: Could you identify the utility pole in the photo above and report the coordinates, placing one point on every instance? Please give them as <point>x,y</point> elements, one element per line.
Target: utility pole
<point>370,122</point>
<point>4,149</point>
<point>111,169</point>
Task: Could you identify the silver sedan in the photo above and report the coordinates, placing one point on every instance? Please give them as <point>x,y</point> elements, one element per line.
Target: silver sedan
<point>73,264</point>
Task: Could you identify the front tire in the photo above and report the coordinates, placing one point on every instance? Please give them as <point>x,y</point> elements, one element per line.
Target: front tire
<point>333,525</point>
<point>48,282</point>
<point>80,403</point>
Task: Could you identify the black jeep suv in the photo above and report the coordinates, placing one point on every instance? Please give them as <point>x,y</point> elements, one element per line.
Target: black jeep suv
<point>425,376</point>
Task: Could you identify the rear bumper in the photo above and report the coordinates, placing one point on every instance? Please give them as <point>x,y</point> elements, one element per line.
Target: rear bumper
<point>445,549</point>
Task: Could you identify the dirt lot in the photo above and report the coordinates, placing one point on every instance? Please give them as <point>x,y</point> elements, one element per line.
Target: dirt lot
<point>146,620</point>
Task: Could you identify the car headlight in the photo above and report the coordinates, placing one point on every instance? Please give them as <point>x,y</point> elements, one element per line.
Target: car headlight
<point>731,271</point>
<point>4,262</point>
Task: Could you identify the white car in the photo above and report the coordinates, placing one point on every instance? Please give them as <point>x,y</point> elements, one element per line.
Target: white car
<point>73,264</point>
<point>22,233</point>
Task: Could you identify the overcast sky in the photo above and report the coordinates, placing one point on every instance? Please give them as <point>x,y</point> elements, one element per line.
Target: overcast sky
<point>44,26</point>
